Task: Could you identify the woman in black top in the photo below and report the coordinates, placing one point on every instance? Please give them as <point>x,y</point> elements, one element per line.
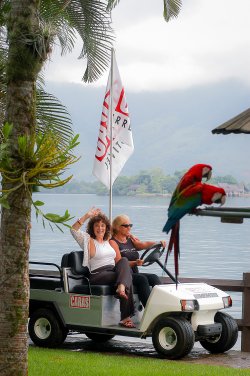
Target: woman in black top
<point>129,246</point>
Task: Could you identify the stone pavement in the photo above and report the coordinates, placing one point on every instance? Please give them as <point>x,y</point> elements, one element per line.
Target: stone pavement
<point>144,348</point>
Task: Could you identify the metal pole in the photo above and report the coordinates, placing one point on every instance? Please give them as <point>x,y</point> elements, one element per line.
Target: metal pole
<point>245,336</point>
<point>227,208</point>
<point>111,134</point>
<point>223,212</point>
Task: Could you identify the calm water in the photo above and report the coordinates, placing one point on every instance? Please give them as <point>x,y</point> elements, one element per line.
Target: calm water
<point>209,248</point>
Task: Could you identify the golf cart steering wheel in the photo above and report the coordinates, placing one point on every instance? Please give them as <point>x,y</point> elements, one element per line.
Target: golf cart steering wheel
<point>151,254</point>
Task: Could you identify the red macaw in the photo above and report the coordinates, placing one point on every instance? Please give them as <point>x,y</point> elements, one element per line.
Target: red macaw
<point>194,175</point>
<point>185,202</point>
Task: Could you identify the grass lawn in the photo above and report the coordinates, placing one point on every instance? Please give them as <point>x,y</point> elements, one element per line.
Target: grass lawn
<point>48,362</point>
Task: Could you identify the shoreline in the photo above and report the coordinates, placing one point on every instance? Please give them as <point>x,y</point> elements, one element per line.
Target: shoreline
<point>135,195</point>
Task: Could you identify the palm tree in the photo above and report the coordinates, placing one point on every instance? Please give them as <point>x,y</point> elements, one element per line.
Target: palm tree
<point>33,26</point>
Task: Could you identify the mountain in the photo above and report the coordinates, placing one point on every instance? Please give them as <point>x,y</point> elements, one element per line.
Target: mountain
<point>171,130</point>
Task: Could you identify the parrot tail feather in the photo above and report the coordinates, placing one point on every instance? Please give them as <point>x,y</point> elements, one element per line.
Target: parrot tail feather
<point>177,251</point>
<point>174,243</point>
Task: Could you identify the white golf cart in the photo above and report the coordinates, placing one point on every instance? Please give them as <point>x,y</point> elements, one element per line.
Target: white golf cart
<point>176,315</point>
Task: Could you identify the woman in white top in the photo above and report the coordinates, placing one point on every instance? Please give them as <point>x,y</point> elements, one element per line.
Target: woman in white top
<point>105,264</point>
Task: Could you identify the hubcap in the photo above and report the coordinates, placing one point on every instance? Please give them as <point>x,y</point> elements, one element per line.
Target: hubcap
<point>42,328</point>
<point>167,338</point>
<point>213,339</point>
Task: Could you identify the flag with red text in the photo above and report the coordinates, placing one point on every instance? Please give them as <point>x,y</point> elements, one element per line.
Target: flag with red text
<point>122,145</point>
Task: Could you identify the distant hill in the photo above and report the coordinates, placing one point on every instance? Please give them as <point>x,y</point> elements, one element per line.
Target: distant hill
<point>171,130</point>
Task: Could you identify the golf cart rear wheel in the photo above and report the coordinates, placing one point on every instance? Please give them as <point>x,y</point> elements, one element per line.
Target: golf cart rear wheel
<point>173,337</point>
<point>45,330</point>
<point>228,337</point>
<point>100,338</point>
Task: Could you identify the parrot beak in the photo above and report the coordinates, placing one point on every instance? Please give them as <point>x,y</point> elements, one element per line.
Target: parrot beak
<point>218,198</point>
<point>209,174</point>
<point>206,173</point>
<point>223,200</point>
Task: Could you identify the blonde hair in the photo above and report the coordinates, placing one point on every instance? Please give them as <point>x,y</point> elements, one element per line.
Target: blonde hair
<point>117,223</point>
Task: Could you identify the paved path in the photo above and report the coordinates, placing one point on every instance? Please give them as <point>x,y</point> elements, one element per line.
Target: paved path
<point>134,347</point>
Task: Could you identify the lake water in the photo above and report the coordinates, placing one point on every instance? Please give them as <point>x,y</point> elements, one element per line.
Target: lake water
<point>209,248</point>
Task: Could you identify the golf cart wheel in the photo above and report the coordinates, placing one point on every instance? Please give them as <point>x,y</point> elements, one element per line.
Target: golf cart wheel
<point>99,338</point>
<point>173,337</point>
<point>45,330</point>
<point>228,337</point>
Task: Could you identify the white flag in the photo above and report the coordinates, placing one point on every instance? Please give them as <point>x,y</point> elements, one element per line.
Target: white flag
<point>122,145</point>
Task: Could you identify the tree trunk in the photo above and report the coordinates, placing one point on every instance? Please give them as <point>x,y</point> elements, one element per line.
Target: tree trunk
<point>23,65</point>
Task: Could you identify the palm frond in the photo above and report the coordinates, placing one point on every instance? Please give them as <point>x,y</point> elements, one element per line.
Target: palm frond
<point>51,113</point>
<point>4,10</point>
<point>112,4</point>
<point>91,20</point>
<point>93,23</point>
<point>52,14</point>
<point>171,8</point>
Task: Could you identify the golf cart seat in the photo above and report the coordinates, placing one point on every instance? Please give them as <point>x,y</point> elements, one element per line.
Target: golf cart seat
<point>76,276</point>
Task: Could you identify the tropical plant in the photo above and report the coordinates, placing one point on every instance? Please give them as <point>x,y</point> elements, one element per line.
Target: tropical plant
<point>32,28</point>
<point>171,7</point>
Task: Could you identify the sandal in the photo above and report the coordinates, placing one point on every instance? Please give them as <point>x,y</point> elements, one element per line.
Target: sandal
<point>127,324</point>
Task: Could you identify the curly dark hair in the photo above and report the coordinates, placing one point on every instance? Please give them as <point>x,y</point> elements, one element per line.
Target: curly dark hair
<point>99,218</point>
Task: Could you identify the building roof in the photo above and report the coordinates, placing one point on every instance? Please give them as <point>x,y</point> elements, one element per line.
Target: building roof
<point>238,124</point>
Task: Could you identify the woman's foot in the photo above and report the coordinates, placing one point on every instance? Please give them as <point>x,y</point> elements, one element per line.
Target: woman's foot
<point>121,293</point>
<point>127,323</point>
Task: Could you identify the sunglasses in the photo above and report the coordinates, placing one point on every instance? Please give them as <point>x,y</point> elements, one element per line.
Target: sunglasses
<point>127,225</point>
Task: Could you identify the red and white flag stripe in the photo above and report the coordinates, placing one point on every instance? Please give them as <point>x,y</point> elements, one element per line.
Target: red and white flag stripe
<point>122,145</point>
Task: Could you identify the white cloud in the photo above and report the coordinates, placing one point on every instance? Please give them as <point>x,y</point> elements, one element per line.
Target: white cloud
<point>207,43</point>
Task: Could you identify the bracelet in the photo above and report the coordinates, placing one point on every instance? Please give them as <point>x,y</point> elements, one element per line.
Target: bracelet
<point>78,221</point>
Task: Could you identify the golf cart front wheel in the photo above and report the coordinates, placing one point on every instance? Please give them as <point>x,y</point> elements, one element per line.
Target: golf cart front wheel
<point>173,337</point>
<point>228,337</point>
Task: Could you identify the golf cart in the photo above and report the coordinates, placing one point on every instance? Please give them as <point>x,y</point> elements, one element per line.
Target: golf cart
<point>176,314</point>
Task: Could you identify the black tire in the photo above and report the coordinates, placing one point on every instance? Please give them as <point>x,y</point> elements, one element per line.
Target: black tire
<point>45,330</point>
<point>173,337</point>
<point>228,337</point>
<point>99,338</point>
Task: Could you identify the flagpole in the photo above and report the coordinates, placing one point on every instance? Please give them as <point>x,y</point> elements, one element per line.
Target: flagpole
<point>111,135</point>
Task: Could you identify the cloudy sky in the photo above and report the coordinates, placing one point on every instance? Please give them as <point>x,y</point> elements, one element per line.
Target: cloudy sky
<point>207,43</point>
<point>192,73</point>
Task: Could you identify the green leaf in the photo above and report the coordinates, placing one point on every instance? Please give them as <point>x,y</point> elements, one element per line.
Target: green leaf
<point>55,218</point>
<point>4,202</point>
<point>52,217</point>
<point>7,129</point>
<point>22,144</point>
<point>38,203</point>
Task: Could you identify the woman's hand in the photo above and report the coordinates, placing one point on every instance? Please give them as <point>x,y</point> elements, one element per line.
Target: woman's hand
<point>163,243</point>
<point>93,212</point>
<point>139,262</point>
<point>133,238</point>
